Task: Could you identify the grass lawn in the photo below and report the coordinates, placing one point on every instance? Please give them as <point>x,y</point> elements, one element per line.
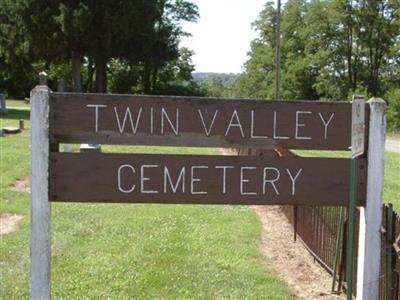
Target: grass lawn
<point>19,104</point>
<point>134,251</point>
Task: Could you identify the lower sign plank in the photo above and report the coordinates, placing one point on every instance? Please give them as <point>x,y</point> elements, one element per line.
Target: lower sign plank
<point>143,178</point>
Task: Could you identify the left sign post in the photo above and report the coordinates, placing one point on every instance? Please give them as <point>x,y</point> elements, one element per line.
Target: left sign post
<point>40,248</point>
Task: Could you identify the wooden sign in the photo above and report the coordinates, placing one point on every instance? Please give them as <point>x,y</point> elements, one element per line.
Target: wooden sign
<point>194,179</point>
<point>201,122</point>
<point>141,178</point>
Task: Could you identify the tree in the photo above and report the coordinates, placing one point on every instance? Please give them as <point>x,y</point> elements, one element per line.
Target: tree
<point>164,40</point>
<point>330,49</point>
<point>140,32</point>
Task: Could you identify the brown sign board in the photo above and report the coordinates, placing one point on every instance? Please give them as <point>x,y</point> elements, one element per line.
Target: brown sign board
<point>198,122</point>
<point>201,179</point>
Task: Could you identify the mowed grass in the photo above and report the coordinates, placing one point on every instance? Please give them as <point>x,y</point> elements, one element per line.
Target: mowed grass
<point>19,104</point>
<point>133,251</point>
<point>391,191</point>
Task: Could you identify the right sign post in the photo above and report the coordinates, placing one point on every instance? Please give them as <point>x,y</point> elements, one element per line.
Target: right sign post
<point>357,149</point>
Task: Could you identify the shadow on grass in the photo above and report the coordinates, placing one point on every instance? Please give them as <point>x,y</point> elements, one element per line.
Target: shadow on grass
<point>16,114</point>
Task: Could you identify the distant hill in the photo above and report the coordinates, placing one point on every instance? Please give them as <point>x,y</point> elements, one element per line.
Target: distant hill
<point>203,75</point>
<point>216,84</point>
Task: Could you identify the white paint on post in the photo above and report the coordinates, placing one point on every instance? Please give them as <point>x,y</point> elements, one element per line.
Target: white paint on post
<point>369,249</point>
<point>40,205</point>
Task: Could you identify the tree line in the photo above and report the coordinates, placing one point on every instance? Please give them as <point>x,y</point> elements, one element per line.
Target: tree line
<point>96,45</point>
<point>331,49</point>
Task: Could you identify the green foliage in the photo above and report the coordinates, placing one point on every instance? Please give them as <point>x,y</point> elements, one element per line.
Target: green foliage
<point>330,50</point>
<point>216,84</point>
<point>174,78</point>
<point>143,35</point>
<point>123,78</point>
<point>393,112</point>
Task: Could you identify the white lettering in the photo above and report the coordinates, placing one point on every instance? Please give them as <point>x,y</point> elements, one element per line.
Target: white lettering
<point>326,124</point>
<point>224,168</point>
<point>208,131</point>
<point>297,137</point>
<point>181,179</point>
<point>252,128</point>
<point>96,115</point>
<point>271,181</point>
<point>294,179</point>
<point>243,180</point>
<point>143,179</point>
<point>193,180</point>
<point>128,114</point>
<point>120,188</point>
<point>274,132</point>
<point>164,115</point>
<point>151,120</point>
<point>237,124</point>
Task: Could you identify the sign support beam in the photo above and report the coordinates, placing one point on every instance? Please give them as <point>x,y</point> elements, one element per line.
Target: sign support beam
<point>40,205</point>
<point>371,216</point>
<point>351,228</point>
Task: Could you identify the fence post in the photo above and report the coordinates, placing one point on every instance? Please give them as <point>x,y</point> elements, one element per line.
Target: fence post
<point>369,249</point>
<point>40,205</point>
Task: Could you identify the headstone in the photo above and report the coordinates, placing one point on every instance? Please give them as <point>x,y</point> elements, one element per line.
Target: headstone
<point>1,132</point>
<point>21,124</point>
<point>67,148</point>
<point>43,78</point>
<point>3,107</point>
<point>90,148</point>
<point>11,130</point>
<point>61,85</point>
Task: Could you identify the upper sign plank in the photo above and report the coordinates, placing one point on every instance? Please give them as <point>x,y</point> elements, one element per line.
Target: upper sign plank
<point>199,122</point>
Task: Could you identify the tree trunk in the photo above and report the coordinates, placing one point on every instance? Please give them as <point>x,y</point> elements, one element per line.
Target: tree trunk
<point>76,62</point>
<point>90,70</point>
<point>154,81</point>
<point>101,75</point>
<point>146,80</point>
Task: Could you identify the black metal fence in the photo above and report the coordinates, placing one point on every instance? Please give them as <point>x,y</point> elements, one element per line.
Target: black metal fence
<point>319,230</point>
<point>323,231</point>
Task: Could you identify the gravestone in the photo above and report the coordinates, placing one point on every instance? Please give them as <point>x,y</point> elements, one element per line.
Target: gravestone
<point>89,148</point>
<point>3,107</point>
<point>11,130</point>
<point>61,85</point>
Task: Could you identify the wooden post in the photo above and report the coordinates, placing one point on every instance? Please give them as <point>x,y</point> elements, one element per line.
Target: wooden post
<point>369,249</point>
<point>40,205</point>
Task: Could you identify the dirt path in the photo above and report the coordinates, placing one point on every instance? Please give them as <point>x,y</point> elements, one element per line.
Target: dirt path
<point>290,259</point>
<point>393,146</point>
<point>22,185</point>
<point>9,223</point>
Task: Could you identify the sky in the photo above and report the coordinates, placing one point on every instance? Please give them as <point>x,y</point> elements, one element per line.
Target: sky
<point>222,35</point>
